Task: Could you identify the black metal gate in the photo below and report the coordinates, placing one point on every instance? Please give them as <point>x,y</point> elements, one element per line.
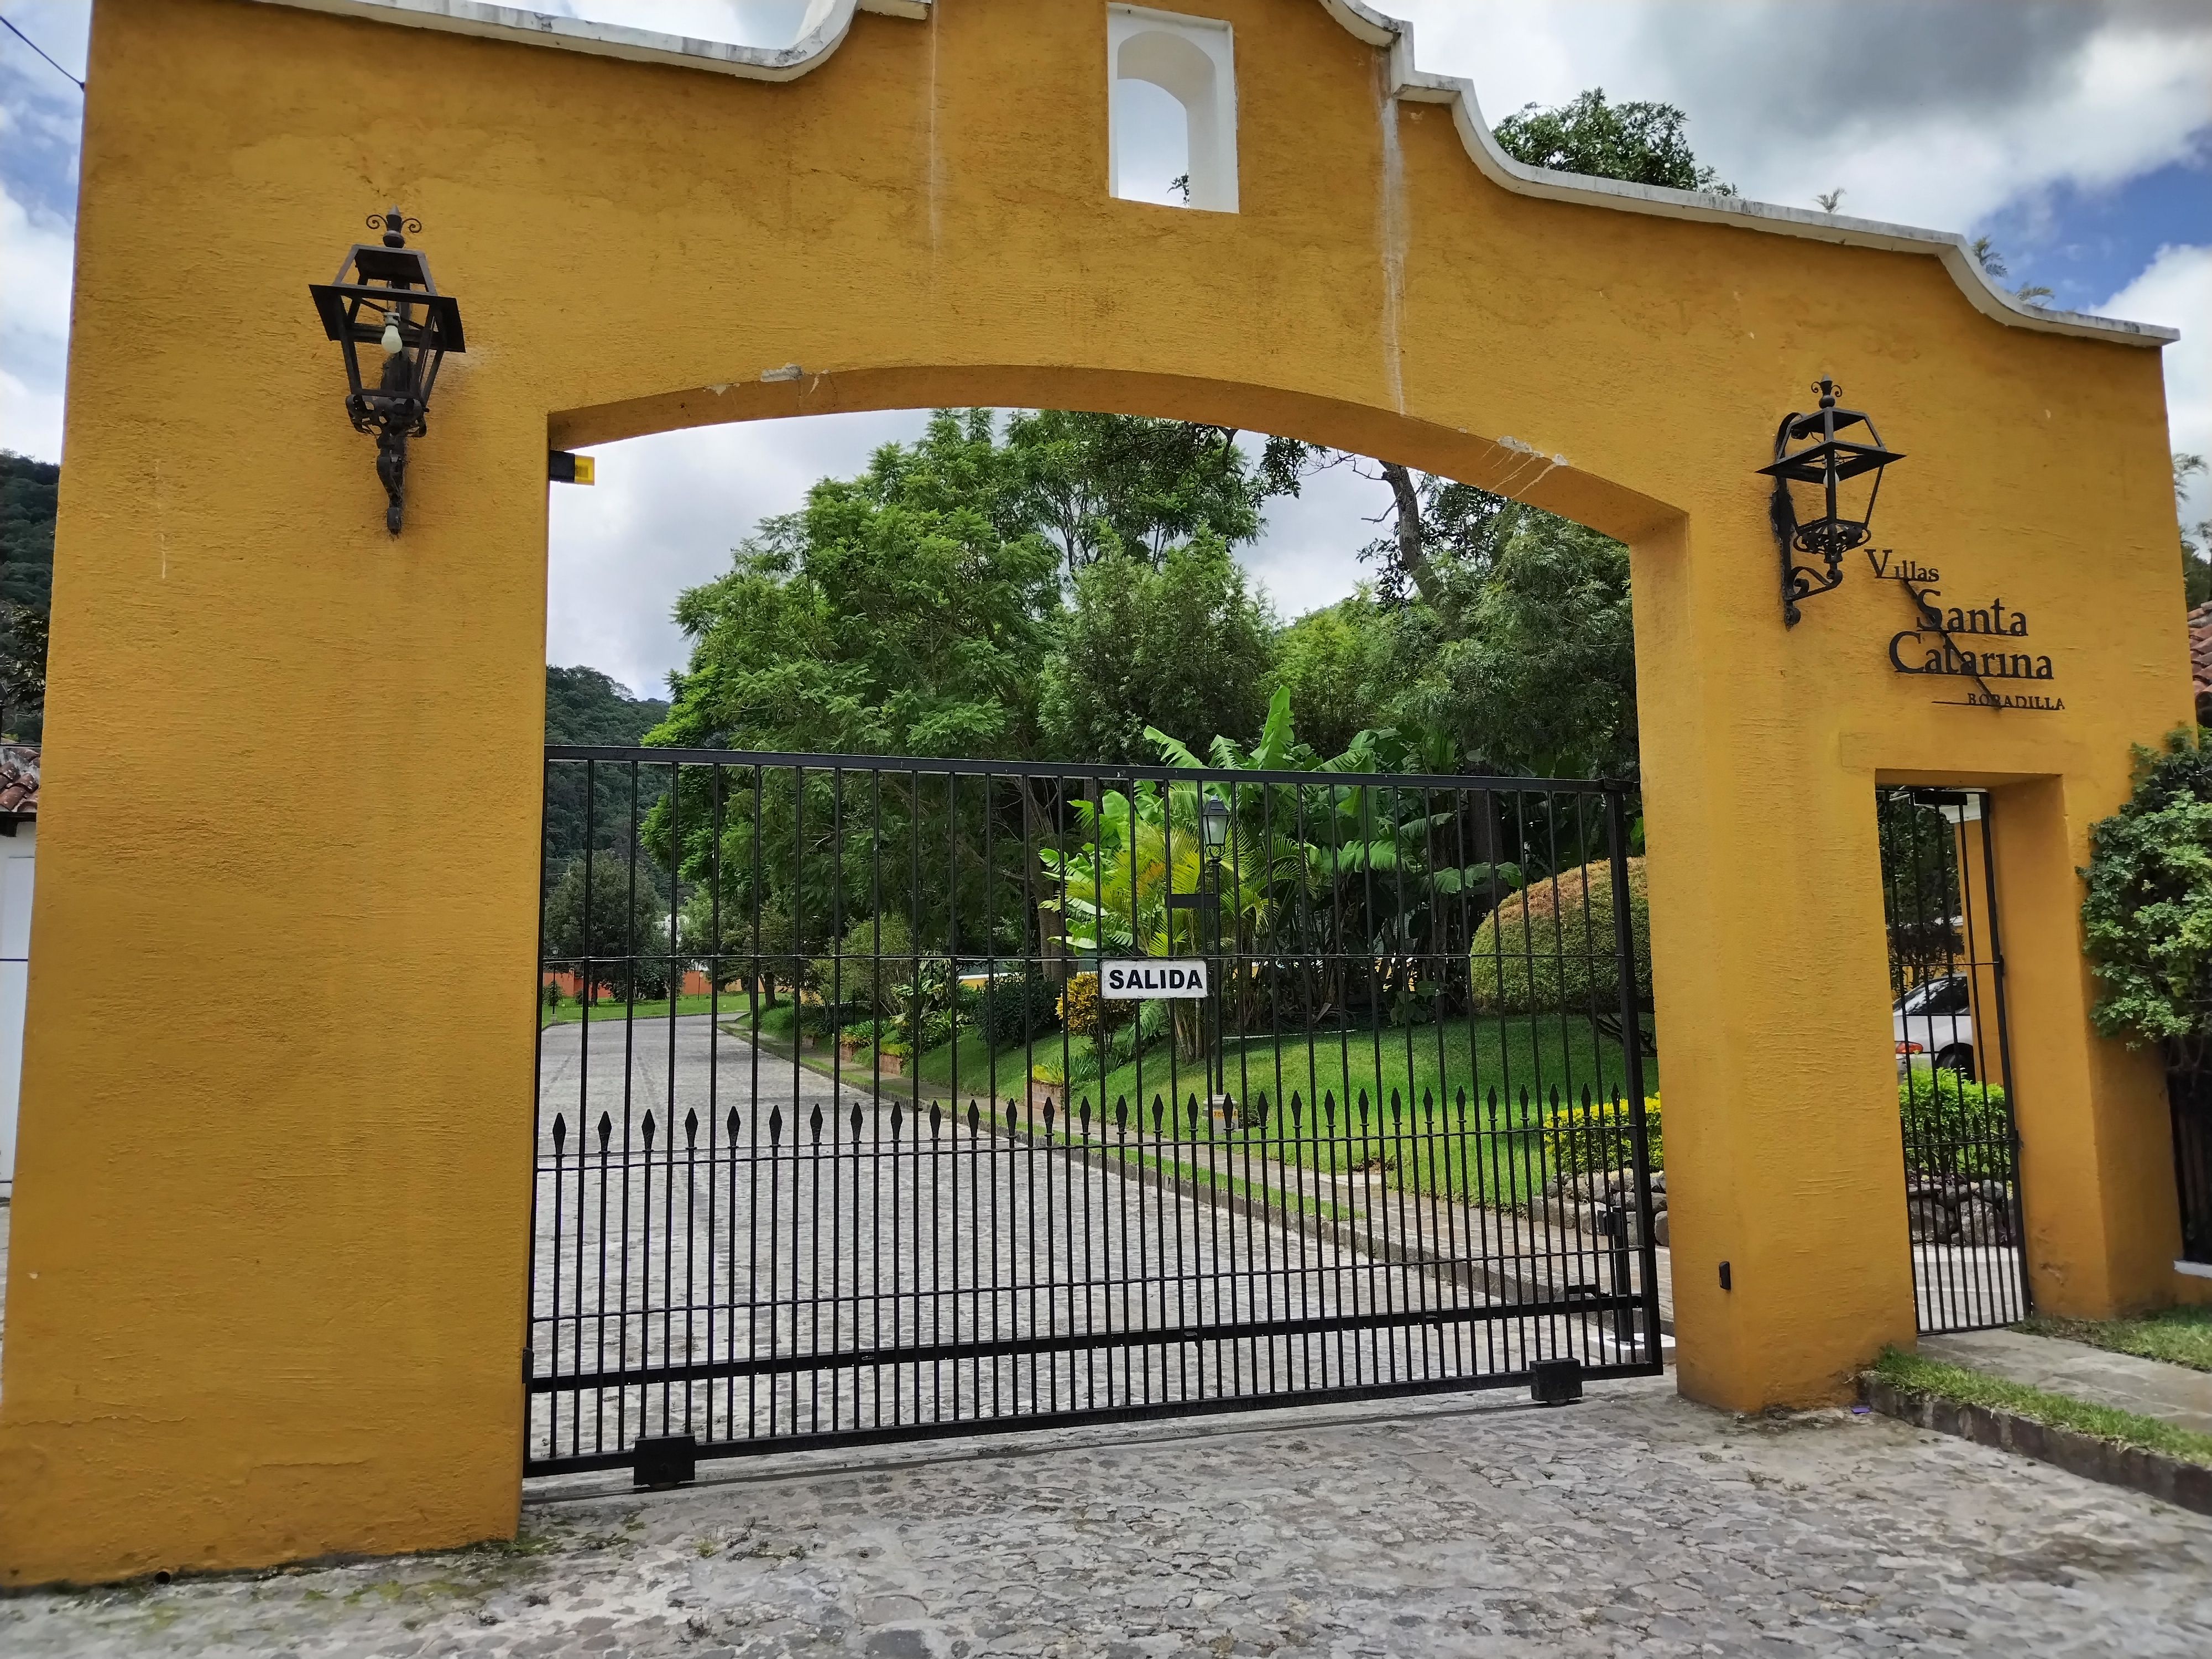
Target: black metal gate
<point>1962,1190</point>
<point>886,1098</point>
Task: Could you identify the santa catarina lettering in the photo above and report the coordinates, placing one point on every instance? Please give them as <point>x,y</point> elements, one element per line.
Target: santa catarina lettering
<point>1976,642</point>
<point>1129,981</point>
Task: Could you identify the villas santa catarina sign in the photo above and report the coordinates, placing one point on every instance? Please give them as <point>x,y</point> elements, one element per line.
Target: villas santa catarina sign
<point>1133,981</point>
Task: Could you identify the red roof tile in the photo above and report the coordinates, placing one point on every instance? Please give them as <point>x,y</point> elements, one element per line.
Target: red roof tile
<point>2200,659</point>
<point>19,781</point>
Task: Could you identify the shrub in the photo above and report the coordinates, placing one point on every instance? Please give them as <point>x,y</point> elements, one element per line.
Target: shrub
<point>822,1019</point>
<point>1583,1140</point>
<point>1085,1012</point>
<point>871,967</point>
<point>1552,945</point>
<point>1010,1009</point>
<point>1953,1125</point>
<point>2148,917</point>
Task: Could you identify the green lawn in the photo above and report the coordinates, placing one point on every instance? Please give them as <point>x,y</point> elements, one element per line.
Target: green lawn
<point>1481,1152</point>
<point>1488,1154</point>
<point>2181,1336</point>
<point>1479,1056</point>
<point>1912,1372</point>
<point>567,1013</point>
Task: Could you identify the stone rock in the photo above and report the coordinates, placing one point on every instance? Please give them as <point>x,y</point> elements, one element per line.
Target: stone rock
<point>1980,1222</point>
<point>1931,1219</point>
<point>1659,1232</point>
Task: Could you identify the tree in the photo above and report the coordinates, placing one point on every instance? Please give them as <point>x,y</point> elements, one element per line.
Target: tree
<point>1641,142</point>
<point>1095,485</point>
<point>905,612</point>
<point>1185,647</point>
<point>2195,540</point>
<point>1338,664</point>
<point>620,941</point>
<point>1535,674</point>
<point>2146,920</point>
<point>1985,254</point>
<point>29,494</point>
<point>583,706</point>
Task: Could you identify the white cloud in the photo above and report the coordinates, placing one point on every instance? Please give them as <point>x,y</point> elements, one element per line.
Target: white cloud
<point>664,515</point>
<point>2176,290</point>
<point>1926,114</point>
<point>36,253</point>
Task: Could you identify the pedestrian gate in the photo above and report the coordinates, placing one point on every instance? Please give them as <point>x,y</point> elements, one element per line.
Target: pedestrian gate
<point>843,1136</point>
<point>1962,1193</point>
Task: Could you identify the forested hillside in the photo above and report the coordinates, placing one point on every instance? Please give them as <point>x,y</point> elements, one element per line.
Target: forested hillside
<point>583,706</point>
<point>28,491</point>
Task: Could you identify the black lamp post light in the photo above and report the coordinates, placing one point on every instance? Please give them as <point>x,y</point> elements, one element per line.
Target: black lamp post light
<point>390,303</point>
<point>1826,476</point>
<point>1213,820</point>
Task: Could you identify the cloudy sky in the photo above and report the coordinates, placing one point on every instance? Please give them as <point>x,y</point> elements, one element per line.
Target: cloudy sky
<point>2077,134</point>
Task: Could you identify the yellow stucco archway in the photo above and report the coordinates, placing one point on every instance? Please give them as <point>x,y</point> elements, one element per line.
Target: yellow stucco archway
<point>265,1297</point>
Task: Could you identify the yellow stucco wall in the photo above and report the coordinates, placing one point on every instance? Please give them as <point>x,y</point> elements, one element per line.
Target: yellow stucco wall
<point>267,1290</point>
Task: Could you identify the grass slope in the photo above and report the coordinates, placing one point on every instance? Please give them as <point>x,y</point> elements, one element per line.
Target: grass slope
<point>2058,1411</point>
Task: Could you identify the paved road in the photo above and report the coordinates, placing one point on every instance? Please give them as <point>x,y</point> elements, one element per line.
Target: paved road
<point>1633,1524</point>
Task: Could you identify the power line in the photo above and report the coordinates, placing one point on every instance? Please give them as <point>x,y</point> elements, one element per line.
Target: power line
<point>43,52</point>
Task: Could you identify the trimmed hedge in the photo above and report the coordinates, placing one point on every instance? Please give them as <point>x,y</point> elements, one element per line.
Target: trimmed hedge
<point>1953,1125</point>
<point>1552,945</point>
<point>1582,1139</point>
<point>1011,1008</point>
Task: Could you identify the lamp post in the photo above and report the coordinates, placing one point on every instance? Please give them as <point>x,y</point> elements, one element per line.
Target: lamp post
<point>1825,486</point>
<point>1213,841</point>
<point>390,303</point>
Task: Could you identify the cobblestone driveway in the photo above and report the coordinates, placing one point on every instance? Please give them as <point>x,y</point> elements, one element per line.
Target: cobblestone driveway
<point>1634,1524</point>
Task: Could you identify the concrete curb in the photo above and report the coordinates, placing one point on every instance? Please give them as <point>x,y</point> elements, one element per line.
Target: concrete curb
<point>2186,1485</point>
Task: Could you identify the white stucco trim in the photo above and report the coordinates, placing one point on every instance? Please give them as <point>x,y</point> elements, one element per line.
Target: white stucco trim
<point>820,33</point>
<point>826,21</point>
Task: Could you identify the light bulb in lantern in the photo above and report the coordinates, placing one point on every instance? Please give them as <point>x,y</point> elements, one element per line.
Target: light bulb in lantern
<point>392,343</point>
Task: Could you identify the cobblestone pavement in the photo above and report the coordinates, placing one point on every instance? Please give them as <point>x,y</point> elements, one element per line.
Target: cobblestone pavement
<point>1635,1524</point>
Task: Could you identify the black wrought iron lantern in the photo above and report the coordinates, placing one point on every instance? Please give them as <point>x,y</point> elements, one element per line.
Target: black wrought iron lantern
<point>1827,473</point>
<point>383,298</point>
<point>1214,828</point>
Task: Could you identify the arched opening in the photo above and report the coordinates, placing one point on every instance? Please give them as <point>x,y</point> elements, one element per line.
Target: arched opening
<point>1377,987</point>
<point>1192,62</point>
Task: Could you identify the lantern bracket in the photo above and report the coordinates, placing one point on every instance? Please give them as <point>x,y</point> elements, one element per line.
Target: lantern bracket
<point>383,296</point>
<point>1833,453</point>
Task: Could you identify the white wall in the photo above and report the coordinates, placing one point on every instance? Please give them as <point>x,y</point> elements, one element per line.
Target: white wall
<point>16,853</point>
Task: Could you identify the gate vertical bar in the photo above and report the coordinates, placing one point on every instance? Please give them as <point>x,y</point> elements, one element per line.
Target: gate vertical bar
<point>1632,1054</point>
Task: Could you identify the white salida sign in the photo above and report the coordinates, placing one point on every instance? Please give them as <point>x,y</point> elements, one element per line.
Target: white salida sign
<point>1128,981</point>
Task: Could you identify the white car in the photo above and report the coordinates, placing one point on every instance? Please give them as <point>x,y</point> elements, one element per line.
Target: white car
<point>1934,1024</point>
